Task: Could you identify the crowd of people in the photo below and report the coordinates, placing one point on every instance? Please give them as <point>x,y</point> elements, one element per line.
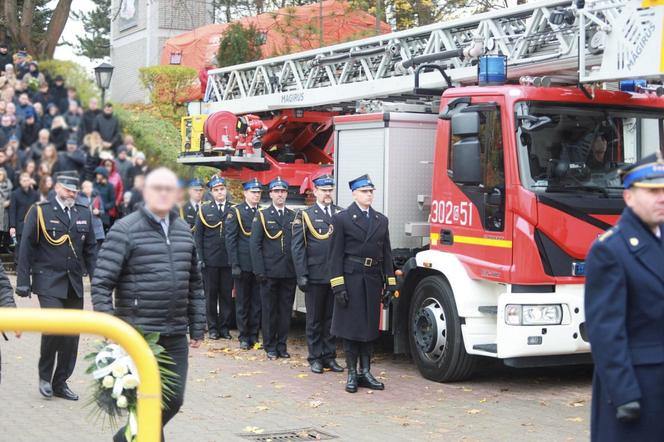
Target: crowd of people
<point>45,130</point>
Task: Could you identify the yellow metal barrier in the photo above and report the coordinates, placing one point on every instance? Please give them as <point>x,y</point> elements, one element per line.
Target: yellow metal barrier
<point>73,322</point>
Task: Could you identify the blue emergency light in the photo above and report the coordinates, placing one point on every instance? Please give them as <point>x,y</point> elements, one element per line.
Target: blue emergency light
<point>632,85</point>
<point>492,70</point>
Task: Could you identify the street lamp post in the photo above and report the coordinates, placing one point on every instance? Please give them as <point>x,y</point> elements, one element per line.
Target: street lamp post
<point>103,74</point>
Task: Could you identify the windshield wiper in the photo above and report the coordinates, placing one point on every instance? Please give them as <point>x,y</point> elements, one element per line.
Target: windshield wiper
<point>576,188</point>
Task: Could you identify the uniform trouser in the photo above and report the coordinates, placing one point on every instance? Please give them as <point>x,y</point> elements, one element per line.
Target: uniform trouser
<point>358,348</point>
<point>319,301</point>
<point>277,296</point>
<point>62,348</point>
<point>219,296</point>
<point>248,306</point>
<point>177,347</point>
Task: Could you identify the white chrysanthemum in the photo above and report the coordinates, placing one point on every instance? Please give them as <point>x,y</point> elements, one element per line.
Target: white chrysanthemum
<point>129,382</point>
<point>118,369</point>
<point>107,382</point>
<point>122,401</point>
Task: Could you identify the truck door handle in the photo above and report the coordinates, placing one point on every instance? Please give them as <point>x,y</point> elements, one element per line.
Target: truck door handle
<point>446,237</point>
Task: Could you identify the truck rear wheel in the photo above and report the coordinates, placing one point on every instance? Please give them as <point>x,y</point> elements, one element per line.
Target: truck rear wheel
<point>436,341</point>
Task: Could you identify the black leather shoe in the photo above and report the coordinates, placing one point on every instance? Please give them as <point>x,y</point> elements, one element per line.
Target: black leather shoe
<point>45,388</point>
<point>272,355</point>
<point>225,335</point>
<point>284,354</point>
<point>65,393</point>
<point>317,367</point>
<point>214,335</point>
<point>333,366</point>
<point>244,345</point>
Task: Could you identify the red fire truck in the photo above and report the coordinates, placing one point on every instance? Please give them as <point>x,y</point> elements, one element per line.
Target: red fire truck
<point>494,142</point>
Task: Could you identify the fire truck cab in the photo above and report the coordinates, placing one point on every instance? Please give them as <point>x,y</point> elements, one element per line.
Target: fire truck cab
<point>524,180</point>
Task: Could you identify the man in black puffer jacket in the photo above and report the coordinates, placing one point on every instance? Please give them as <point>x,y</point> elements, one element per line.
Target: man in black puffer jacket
<point>149,259</point>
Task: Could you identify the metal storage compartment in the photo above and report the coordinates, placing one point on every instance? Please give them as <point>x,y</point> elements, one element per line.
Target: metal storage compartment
<point>396,149</point>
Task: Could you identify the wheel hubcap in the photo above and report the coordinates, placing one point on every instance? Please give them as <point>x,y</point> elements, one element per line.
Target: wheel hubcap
<point>430,329</point>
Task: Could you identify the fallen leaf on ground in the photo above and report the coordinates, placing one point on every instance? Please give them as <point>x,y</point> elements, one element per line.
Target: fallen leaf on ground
<point>302,375</point>
<point>262,408</point>
<point>473,411</point>
<point>254,430</point>
<point>574,419</point>
<point>315,404</point>
<point>580,403</point>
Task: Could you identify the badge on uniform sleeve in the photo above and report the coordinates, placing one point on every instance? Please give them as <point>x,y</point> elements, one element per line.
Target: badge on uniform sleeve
<point>54,221</point>
<point>230,216</point>
<point>634,241</point>
<point>297,221</point>
<point>81,222</point>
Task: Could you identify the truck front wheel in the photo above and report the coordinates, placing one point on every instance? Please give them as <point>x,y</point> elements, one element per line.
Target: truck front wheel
<point>436,341</point>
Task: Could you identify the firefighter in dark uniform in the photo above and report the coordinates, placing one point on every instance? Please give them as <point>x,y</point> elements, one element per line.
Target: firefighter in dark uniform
<point>624,309</point>
<point>247,296</point>
<point>273,265</point>
<point>361,275</point>
<point>189,212</point>
<point>311,240</point>
<point>58,248</point>
<point>211,246</point>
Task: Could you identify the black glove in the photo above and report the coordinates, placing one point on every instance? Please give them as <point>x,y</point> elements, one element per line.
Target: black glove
<point>629,412</point>
<point>23,291</point>
<point>388,296</point>
<point>341,297</point>
<point>302,283</point>
<point>236,271</point>
<point>261,278</point>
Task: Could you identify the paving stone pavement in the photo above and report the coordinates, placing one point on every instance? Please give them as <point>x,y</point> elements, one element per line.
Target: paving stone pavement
<point>232,392</point>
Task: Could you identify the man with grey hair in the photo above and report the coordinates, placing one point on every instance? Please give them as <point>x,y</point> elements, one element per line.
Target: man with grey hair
<point>149,259</point>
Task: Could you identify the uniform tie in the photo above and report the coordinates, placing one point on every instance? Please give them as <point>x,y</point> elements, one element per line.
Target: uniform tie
<point>327,211</point>
<point>221,208</point>
<point>281,212</point>
<point>67,213</point>
<point>366,213</point>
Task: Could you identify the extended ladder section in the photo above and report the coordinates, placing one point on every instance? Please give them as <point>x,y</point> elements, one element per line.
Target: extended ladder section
<point>538,38</point>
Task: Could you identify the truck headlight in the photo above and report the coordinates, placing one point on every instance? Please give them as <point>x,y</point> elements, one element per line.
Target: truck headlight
<point>551,314</point>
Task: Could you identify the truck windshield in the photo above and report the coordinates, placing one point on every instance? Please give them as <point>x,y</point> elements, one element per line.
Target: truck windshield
<point>575,148</point>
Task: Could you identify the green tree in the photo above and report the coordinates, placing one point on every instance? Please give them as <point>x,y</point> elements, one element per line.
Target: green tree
<point>34,24</point>
<point>95,43</point>
<point>239,44</point>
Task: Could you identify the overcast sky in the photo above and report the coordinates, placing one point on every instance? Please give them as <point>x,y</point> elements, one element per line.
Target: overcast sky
<point>72,29</point>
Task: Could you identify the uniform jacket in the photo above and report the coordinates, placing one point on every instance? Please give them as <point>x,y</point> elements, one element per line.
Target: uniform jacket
<point>357,237</point>
<point>238,231</point>
<point>310,243</point>
<point>271,243</point>
<point>156,279</point>
<point>210,235</point>
<point>624,308</point>
<point>53,267</point>
<point>19,204</point>
<point>189,213</point>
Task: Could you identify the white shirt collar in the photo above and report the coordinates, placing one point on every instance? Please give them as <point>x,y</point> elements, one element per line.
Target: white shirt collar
<point>60,203</point>
<point>322,207</point>
<point>658,232</point>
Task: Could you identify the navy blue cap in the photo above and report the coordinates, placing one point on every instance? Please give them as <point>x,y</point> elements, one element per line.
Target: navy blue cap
<point>278,183</point>
<point>195,183</point>
<point>324,182</point>
<point>647,172</point>
<point>216,180</point>
<point>68,179</point>
<point>252,184</point>
<point>361,182</point>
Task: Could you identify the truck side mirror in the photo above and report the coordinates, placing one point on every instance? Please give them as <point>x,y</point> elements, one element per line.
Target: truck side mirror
<point>466,124</point>
<point>466,164</point>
